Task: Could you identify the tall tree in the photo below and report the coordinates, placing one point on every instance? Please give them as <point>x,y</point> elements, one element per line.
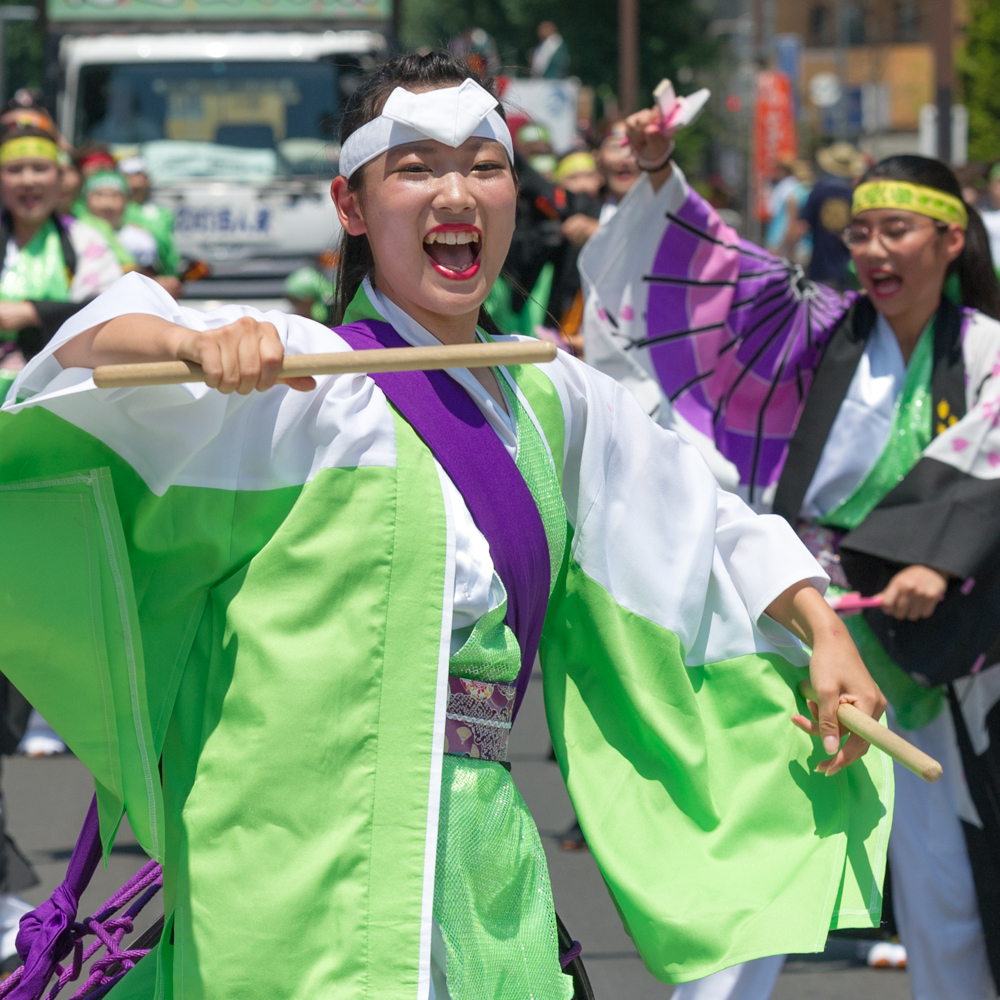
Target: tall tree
<point>980,69</point>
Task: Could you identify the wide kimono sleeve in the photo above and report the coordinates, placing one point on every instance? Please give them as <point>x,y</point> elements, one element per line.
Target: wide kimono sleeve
<point>122,510</point>
<point>669,690</point>
<point>715,336</point>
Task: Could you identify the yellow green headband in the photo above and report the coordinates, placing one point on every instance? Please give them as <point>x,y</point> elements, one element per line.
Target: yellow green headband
<point>911,198</point>
<point>29,147</point>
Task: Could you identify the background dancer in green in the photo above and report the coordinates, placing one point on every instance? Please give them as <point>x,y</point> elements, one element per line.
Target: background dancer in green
<point>51,264</point>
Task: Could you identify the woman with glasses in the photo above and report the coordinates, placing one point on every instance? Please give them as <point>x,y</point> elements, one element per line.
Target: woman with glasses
<point>870,421</point>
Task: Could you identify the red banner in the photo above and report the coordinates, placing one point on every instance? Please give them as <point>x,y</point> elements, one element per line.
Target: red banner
<point>774,135</point>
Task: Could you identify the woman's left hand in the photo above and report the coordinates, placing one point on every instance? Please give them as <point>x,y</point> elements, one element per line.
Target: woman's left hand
<point>838,675</point>
<point>913,593</point>
<point>836,670</point>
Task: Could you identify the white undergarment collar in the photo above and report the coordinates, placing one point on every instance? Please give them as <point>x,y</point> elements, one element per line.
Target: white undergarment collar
<point>450,115</point>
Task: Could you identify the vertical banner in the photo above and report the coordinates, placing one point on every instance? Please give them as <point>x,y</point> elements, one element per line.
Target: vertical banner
<point>774,135</point>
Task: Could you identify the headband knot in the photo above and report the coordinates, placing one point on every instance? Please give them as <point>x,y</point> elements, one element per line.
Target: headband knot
<point>933,203</point>
<point>449,115</point>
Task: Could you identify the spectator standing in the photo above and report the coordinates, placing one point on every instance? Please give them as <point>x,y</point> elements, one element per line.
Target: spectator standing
<point>788,197</point>
<point>550,60</point>
<point>827,212</point>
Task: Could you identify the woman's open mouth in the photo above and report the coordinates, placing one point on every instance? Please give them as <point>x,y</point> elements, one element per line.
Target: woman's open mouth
<point>885,285</point>
<point>454,250</point>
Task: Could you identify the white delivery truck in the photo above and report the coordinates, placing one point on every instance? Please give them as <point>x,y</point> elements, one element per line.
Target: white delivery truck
<point>238,127</point>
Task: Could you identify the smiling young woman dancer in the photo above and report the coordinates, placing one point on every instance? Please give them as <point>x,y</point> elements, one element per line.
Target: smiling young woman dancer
<point>51,262</point>
<point>871,424</point>
<point>303,615</point>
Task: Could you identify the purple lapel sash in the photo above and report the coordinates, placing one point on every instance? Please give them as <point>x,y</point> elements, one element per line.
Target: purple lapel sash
<point>461,439</point>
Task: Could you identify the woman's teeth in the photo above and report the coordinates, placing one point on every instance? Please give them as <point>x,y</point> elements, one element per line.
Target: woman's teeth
<point>452,239</point>
<point>453,250</point>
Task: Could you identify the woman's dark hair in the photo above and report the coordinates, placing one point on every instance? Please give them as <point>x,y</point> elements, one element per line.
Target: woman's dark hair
<point>974,265</point>
<point>434,69</point>
<point>17,131</point>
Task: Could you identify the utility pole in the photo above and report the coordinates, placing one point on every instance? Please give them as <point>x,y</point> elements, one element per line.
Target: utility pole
<point>10,12</point>
<point>842,39</point>
<point>397,25</point>
<point>944,71</point>
<point>628,55</point>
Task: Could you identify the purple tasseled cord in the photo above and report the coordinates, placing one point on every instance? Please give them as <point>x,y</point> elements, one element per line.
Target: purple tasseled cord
<point>50,932</point>
<point>569,955</point>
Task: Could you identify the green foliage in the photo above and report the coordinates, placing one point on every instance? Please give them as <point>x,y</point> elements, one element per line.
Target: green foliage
<point>980,69</point>
<point>671,35</point>
<point>24,53</point>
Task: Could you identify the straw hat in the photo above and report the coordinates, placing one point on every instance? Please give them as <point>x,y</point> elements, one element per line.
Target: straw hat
<point>842,160</point>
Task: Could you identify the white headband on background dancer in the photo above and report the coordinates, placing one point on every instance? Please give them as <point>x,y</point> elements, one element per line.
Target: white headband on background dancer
<point>449,115</point>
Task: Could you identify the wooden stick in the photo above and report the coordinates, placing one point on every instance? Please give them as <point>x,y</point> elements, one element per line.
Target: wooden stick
<point>877,735</point>
<point>391,359</point>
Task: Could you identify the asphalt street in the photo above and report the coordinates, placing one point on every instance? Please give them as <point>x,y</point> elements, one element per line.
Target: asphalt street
<point>46,801</point>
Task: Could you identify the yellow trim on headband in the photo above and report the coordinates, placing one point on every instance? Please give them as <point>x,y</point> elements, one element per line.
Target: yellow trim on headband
<point>29,147</point>
<point>912,198</point>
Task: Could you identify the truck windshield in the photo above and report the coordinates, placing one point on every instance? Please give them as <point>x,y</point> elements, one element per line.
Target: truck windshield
<point>227,120</point>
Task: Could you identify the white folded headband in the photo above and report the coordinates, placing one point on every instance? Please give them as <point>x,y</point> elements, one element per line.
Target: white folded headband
<point>450,115</point>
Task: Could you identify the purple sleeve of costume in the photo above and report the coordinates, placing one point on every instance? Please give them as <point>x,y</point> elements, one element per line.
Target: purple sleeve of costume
<point>735,334</point>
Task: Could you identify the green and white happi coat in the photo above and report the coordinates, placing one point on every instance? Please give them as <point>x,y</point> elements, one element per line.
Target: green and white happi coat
<point>257,592</point>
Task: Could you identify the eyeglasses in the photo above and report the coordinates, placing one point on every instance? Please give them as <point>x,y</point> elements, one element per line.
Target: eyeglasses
<point>890,234</point>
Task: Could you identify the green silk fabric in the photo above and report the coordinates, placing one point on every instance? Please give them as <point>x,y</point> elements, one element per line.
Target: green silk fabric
<point>914,705</point>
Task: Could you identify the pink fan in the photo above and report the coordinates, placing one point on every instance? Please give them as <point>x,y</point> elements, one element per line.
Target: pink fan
<point>853,603</point>
<point>677,112</point>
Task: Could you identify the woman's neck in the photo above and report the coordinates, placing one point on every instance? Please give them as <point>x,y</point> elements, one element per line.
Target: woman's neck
<point>447,329</point>
<point>24,230</point>
<point>909,325</point>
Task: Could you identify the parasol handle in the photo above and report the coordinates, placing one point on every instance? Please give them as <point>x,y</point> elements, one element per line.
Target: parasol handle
<point>390,359</point>
<point>877,735</point>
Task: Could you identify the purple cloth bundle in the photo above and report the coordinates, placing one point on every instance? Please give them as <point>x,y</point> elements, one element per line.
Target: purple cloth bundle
<point>50,932</point>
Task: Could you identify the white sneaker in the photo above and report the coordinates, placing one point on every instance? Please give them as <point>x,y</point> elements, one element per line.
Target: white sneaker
<point>40,739</point>
<point>887,955</point>
<point>12,908</point>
